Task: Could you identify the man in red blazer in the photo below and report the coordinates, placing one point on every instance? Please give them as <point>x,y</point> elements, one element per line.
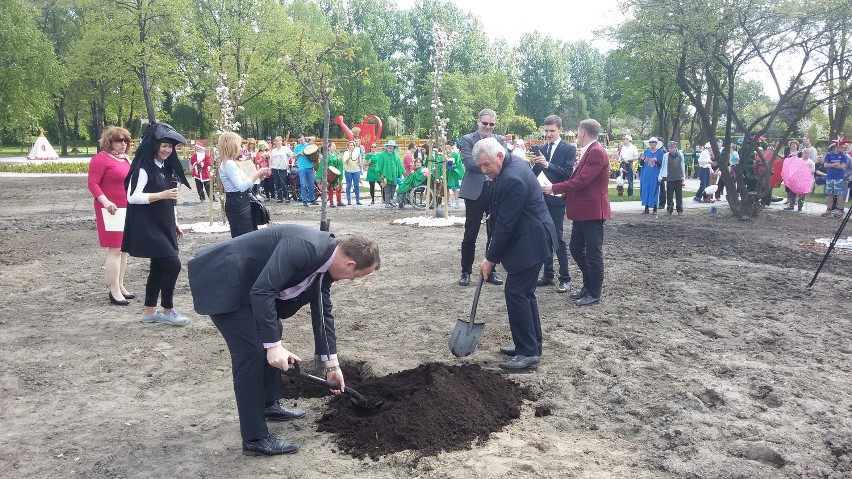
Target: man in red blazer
<point>587,205</point>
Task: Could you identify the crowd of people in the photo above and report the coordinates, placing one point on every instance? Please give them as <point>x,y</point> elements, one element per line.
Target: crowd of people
<point>248,283</point>
<point>663,171</point>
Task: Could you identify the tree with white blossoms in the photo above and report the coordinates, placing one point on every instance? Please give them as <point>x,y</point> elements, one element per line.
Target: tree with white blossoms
<point>227,98</point>
<point>440,56</point>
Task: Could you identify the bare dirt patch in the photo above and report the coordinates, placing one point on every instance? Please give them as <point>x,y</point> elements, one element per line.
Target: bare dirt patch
<point>708,356</point>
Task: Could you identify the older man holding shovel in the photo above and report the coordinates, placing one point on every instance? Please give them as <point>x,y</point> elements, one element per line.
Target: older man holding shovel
<point>523,237</point>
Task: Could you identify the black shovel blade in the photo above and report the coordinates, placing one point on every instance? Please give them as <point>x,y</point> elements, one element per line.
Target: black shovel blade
<point>357,399</point>
<point>466,334</point>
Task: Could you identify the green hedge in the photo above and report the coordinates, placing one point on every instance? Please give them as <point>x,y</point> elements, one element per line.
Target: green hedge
<point>44,168</point>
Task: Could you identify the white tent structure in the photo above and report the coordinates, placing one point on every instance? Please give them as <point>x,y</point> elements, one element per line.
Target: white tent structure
<point>42,150</point>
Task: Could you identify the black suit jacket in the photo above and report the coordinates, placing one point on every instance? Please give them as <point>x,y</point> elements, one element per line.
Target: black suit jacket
<point>251,269</point>
<point>523,232</point>
<point>560,168</point>
<point>471,186</point>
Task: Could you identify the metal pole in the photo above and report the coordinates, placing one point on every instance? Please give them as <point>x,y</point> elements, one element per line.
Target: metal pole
<point>831,246</point>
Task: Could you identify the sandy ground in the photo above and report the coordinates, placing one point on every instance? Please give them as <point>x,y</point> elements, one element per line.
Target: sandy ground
<point>708,356</point>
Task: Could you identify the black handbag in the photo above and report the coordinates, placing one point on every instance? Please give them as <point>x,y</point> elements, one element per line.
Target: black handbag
<point>259,213</point>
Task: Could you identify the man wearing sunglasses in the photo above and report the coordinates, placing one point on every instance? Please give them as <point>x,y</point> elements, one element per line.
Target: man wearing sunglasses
<point>476,192</point>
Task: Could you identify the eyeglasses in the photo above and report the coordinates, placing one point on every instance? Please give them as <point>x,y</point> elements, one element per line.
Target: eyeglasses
<point>122,140</point>
<point>485,123</point>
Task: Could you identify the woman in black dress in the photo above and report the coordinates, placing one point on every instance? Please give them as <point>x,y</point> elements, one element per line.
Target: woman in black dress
<point>151,229</point>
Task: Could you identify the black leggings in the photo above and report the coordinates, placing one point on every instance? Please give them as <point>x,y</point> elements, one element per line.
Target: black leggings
<point>161,281</point>
<point>372,191</point>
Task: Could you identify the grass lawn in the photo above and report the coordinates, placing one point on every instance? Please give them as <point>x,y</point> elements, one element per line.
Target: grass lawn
<point>84,151</point>
<point>816,197</point>
<point>614,198</point>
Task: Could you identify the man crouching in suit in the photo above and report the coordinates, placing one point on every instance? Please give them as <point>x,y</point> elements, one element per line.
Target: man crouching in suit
<point>246,285</point>
<point>523,236</point>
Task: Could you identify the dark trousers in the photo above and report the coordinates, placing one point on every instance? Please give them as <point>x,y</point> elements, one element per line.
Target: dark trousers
<point>256,383</point>
<point>162,278</point>
<point>373,191</point>
<point>586,247</point>
<point>629,180</point>
<point>238,212</point>
<point>662,200</point>
<point>280,178</point>
<point>557,212</point>
<point>521,304</point>
<point>268,187</point>
<point>721,187</point>
<point>674,191</point>
<point>474,210</point>
<point>202,186</point>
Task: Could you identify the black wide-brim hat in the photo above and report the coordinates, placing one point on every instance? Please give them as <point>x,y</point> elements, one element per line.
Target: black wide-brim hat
<point>166,132</point>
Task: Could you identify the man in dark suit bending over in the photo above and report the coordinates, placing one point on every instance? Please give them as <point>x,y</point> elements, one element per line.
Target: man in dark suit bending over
<point>522,237</point>
<point>246,285</point>
<point>476,191</point>
<point>556,161</point>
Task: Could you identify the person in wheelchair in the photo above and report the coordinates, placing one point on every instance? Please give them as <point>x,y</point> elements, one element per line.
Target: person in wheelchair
<point>414,180</point>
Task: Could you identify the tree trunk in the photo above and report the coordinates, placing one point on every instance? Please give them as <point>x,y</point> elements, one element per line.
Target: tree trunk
<point>326,120</point>
<point>146,92</point>
<point>76,132</point>
<point>59,107</point>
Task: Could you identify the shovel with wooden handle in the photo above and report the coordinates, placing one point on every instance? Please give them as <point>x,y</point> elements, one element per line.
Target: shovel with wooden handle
<point>467,333</point>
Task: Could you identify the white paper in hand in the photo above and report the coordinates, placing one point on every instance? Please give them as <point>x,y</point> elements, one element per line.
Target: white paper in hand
<point>114,222</point>
<point>543,181</point>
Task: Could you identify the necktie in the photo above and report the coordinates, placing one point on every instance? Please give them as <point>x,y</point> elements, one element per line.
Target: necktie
<point>549,148</point>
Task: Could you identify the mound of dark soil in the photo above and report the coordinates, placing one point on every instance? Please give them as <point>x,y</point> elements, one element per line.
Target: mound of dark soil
<point>429,409</point>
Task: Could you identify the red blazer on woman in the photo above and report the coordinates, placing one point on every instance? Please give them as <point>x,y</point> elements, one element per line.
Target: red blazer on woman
<point>587,191</point>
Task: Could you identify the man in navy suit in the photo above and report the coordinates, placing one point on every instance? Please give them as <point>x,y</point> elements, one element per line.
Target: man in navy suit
<point>556,161</point>
<point>587,205</point>
<point>522,237</point>
<point>247,284</point>
<point>476,191</point>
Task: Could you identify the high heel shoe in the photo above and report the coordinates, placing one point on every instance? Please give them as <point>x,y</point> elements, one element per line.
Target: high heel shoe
<point>122,302</point>
<point>129,295</point>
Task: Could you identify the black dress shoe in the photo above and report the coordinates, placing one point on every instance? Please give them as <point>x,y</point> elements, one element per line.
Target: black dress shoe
<point>269,446</point>
<point>580,294</point>
<point>465,279</point>
<point>121,302</point>
<point>510,350</point>
<point>129,295</point>
<point>494,279</point>
<point>277,412</point>
<point>519,363</point>
<point>588,300</point>
<point>544,281</point>
<point>564,286</point>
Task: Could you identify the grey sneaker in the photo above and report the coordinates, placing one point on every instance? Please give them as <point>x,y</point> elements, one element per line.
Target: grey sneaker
<point>152,318</point>
<point>174,318</point>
